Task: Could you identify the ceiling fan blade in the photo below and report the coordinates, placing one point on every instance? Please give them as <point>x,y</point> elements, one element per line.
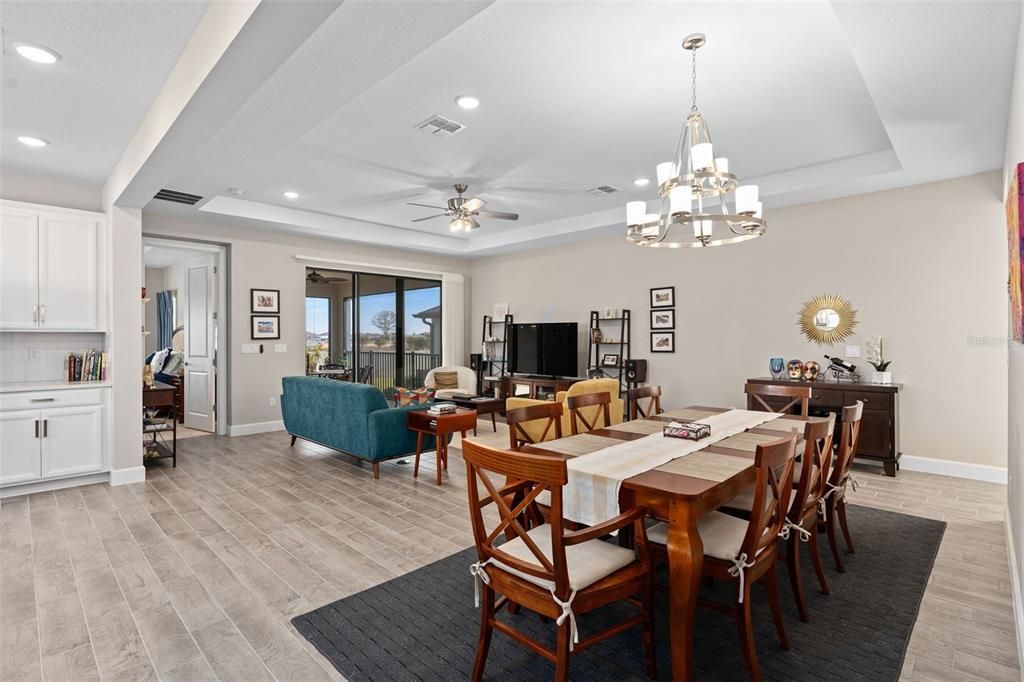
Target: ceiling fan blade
<point>500,215</point>
<point>439,208</point>
<point>429,217</point>
<point>474,204</point>
<point>473,224</point>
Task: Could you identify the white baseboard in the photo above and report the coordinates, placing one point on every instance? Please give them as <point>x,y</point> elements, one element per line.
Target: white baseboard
<point>258,427</point>
<point>56,484</point>
<point>1018,598</point>
<point>945,467</point>
<point>129,475</point>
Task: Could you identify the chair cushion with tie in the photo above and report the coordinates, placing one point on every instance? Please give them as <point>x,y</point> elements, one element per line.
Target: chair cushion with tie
<point>586,562</point>
<point>721,534</point>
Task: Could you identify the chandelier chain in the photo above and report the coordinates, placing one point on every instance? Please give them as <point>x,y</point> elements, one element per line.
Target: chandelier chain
<point>693,80</point>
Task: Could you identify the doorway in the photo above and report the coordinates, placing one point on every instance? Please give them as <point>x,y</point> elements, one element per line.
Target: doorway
<point>186,288</point>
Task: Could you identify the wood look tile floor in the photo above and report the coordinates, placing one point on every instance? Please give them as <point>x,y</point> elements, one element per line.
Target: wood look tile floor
<point>194,574</point>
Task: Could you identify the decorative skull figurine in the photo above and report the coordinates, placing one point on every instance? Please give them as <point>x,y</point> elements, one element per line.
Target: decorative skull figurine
<point>796,369</point>
<point>811,370</point>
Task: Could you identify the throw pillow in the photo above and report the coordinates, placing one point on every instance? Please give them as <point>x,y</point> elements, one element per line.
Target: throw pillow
<point>446,381</point>
<point>405,397</point>
<point>159,358</point>
<point>174,363</point>
<point>425,395</point>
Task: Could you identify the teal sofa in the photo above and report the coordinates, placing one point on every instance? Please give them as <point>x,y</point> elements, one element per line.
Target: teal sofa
<point>352,418</point>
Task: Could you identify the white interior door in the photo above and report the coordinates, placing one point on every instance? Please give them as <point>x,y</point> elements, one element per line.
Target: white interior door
<point>200,308</point>
<point>19,269</point>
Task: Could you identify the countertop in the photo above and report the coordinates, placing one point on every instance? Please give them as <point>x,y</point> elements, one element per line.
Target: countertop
<point>25,386</point>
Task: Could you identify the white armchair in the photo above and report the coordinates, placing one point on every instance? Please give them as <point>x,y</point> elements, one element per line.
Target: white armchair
<point>467,381</point>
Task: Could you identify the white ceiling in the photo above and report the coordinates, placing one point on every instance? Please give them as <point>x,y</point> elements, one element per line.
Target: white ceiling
<point>115,57</point>
<point>809,100</point>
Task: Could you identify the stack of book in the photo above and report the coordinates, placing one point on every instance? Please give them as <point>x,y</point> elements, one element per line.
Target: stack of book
<point>438,409</point>
<point>90,365</point>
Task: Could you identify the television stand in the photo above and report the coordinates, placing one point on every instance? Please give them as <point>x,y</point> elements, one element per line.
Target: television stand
<point>538,388</point>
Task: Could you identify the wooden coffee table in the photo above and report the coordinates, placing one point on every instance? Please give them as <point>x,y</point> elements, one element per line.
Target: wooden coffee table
<point>441,427</point>
<point>487,406</point>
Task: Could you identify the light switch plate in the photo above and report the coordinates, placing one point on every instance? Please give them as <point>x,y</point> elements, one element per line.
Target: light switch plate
<point>250,348</point>
<point>273,401</point>
<point>853,351</point>
<point>280,347</point>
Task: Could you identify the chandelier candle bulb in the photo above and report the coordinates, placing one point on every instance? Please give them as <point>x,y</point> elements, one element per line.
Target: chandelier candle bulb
<point>702,228</point>
<point>635,212</point>
<point>722,164</point>
<point>680,199</point>
<point>665,171</point>
<point>702,157</point>
<point>757,210</point>
<point>746,199</point>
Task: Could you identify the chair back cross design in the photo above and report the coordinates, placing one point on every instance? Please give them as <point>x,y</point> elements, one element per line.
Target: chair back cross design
<point>577,404</point>
<point>516,417</point>
<point>797,394</point>
<point>653,396</point>
<point>772,490</point>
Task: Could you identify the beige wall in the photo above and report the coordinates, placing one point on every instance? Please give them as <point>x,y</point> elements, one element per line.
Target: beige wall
<point>50,192</point>
<point>260,259</point>
<point>924,267</point>
<point>1015,373</point>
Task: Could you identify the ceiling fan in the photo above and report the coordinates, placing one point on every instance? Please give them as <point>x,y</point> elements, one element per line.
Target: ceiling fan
<point>314,277</point>
<point>464,212</point>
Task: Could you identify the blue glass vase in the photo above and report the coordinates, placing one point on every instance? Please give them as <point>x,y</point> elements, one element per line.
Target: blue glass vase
<point>777,366</point>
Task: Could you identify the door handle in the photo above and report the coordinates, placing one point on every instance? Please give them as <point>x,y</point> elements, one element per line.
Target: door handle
<point>46,423</point>
<point>42,313</point>
<point>37,428</point>
<point>35,313</point>
<point>42,400</point>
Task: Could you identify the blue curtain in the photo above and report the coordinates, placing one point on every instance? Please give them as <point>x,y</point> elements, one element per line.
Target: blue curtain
<point>164,318</point>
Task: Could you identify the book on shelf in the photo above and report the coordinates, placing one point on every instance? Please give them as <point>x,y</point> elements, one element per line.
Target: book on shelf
<point>89,365</point>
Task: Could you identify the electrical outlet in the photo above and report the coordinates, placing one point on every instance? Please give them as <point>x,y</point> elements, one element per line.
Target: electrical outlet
<point>273,401</point>
<point>250,348</point>
<point>280,347</point>
<point>33,353</point>
<point>853,351</point>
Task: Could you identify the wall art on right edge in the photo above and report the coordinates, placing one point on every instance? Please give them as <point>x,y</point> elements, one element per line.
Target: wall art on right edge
<point>1015,234</point>
<point>663,342</point>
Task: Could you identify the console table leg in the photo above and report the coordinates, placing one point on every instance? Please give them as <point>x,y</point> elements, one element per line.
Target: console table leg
<point>890,467</point>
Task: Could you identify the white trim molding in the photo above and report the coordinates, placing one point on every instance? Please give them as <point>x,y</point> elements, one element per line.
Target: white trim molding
<point>129,475</point>
<point>256,427</point>
<point>1015,584</point>
<point>56,484</point>
<point>945,467</point>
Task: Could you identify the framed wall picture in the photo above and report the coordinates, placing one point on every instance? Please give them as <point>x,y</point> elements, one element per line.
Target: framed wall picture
<point>266,327</point>
<point>265,301</point>
<point>663,342</point>
<point>610,360</point>
<point>663,319</point>
<point>663,297</point>
<point>500,311</point>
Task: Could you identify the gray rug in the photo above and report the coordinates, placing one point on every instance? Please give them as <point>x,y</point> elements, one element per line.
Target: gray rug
<point>423,625</point>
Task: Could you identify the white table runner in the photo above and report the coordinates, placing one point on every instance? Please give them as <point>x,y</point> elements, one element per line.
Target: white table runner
<point>592,492</point>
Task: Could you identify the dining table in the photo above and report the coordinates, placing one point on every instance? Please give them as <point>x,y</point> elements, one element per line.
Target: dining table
<point>680,492</point>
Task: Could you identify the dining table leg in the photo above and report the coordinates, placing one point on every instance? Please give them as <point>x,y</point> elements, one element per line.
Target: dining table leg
<point>685,564</point>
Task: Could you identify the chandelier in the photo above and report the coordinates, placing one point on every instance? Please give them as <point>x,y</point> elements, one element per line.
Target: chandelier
<point>702,203</point>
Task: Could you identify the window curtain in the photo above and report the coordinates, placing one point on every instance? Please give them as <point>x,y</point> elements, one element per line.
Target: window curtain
<point>164,318</point>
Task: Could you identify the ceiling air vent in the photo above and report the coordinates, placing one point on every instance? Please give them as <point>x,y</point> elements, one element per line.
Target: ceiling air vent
<point>602,190</point>
<point>178,197</point>
<point>439,125</point>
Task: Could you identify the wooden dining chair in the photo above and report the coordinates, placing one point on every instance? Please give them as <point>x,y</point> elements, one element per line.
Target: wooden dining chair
<point>796,394</point>
<point>839,479</point>
<point>746,551</point>
<point>577,405</point>
<point>517,416</point>
<point>653,396</point>
<point>552,571</point>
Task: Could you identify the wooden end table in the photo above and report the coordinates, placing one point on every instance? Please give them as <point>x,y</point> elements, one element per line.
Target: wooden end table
<point>440,426</point>
<point>482,406</point>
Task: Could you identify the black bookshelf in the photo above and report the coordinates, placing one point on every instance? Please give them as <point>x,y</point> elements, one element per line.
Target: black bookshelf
<point>615,336</point>
<point>495,365</point>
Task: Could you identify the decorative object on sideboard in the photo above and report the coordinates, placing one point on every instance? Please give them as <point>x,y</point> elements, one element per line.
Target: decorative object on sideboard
<point>610,360</point>
<point>876,358</point>
<point>842,370</point>
<point>265,301</point>
<point>795,369</point>
<point>663,297</point>
<point>500,311</point>
<point>777,366</point>
<point>663,342</point>
<point>827,319</point>
<point>1015,236</point>
<point>811,370</point>
<point>663,319</point>
<point>147,376</point>
<point>694,176</point>
<point>266,327</point>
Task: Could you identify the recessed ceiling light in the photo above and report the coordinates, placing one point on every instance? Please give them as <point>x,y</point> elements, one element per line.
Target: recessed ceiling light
<point>30,141</point>
<point>291,195</point>
<point>642,182</point>
<point>467,101</point>
<point>37,53</point>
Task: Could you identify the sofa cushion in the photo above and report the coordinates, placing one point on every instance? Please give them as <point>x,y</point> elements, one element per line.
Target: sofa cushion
<point>419,396</point>
<point>446,381</point>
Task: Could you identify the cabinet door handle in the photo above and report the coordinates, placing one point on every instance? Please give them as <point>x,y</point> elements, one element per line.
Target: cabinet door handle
<point>46,423</point>
<point>42,400</point>
<point>37,428</point>
<point>35,313</point>
<point>42,313</point>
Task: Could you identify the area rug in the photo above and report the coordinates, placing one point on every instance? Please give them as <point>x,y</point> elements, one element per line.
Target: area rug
<point>423,625</point>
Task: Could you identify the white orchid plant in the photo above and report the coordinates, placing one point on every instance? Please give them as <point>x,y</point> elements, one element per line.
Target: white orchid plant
<point>876,354</point>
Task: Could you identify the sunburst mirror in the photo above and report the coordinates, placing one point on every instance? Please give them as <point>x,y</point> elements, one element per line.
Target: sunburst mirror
<point>827,319</point>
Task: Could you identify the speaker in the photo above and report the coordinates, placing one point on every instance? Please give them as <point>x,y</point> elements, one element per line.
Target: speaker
<point>636,371</point>
<point>476,361</point>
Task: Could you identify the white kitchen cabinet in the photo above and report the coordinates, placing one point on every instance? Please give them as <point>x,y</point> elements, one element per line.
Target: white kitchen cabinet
<point>19,447</point>
<point>50,269</point>
<point>51,435</point>
<point>71,441</point>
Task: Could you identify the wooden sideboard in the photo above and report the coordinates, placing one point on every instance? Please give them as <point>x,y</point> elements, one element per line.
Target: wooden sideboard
<point>880,428</point>
<point>539,388</point>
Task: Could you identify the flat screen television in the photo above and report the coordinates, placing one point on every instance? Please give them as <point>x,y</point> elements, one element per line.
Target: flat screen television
<point>546,348</point>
